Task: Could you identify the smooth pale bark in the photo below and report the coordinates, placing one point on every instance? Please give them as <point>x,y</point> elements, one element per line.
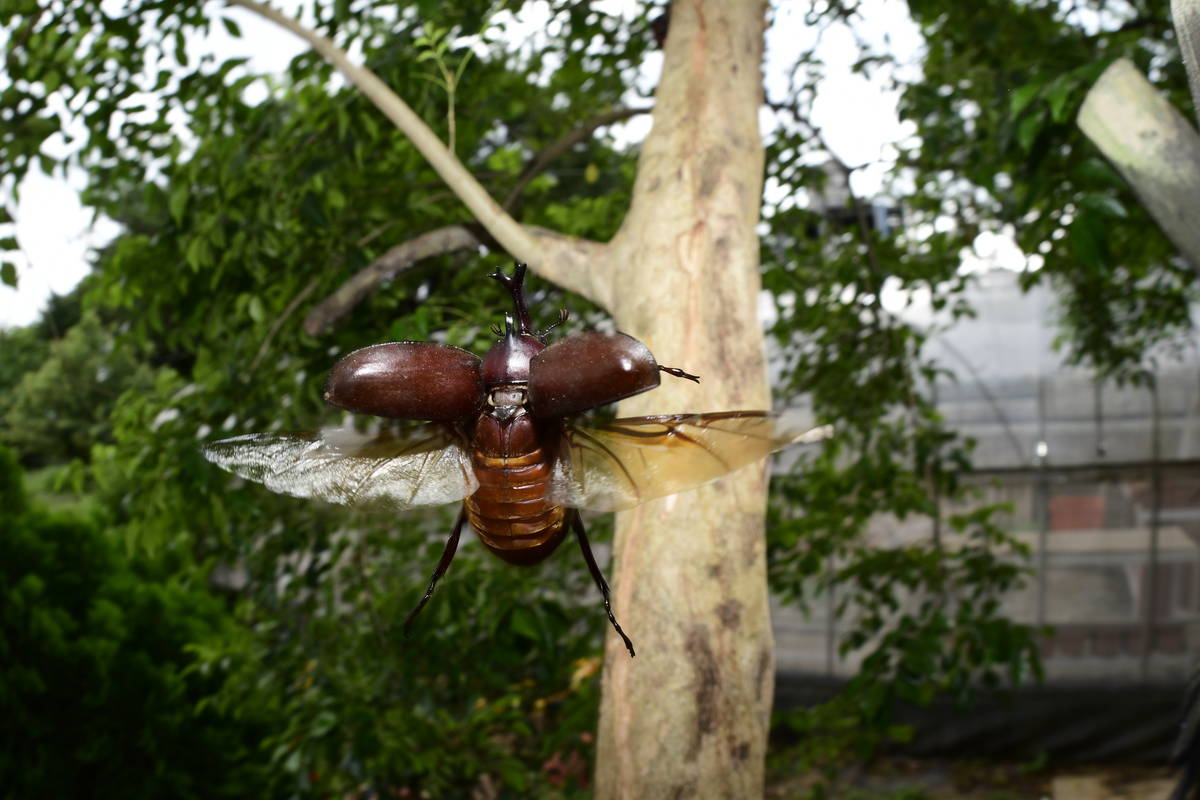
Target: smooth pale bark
<point>1152,146</point>
<point>1186,16</point>
<point>688,717</point>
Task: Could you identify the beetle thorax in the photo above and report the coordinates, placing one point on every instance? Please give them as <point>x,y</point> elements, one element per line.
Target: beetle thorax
<point>505,373</point>
<point>508,360</point>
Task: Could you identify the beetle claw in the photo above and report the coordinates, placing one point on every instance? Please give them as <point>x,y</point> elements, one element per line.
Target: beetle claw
<point>678,373</point>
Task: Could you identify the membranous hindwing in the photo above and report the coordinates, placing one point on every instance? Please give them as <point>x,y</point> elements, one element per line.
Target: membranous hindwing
<point>390,467</point>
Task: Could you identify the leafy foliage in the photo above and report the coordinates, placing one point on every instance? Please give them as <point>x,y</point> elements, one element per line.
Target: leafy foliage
<point>57,411</point>
<point>24,349</point>
<point>99,692</point>
<point>925,616</point>
<point>996,149</point>
<point>995,115</point>
<point>495,690</point>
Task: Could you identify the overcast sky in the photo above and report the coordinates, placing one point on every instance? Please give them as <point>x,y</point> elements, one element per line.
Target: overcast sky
<point>56,233</point>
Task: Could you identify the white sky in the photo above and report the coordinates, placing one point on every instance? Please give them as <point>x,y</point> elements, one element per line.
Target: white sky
<point>858,118</point>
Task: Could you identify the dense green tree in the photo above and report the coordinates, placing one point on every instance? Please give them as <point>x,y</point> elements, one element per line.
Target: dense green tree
<point>23,350</point>
<point>97,683</point>
<point>498,684</point>
<point>59,409</point>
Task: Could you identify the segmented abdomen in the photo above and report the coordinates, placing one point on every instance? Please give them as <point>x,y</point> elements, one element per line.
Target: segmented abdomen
<point>509,510</point>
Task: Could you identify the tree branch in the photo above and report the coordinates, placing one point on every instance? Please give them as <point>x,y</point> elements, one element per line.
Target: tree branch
<point>1186,14</point>
<point>1152,146</point>
<point>396,260</point>
<point>559,264</point>
<point>450,238</point>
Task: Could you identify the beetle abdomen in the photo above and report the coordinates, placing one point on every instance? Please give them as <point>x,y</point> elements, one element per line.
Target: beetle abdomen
<point>510,510</point>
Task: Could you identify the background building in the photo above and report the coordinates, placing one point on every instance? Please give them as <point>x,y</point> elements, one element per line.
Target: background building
<point>1104,486</point>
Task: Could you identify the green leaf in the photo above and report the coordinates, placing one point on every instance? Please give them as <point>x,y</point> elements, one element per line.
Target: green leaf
<point>255,309</point>
<point>1097,170</point>
<point>1029,129</point>
<point>198,254</point>
<point>335,198</point>
<point>177,202</point>
<point>234,30</point>
<point>513,774</point>
<point>1104,204</point>
<point>1086,238</point>
<point>1057,95</point>
<point>9,243</point>
<point>323,723</point>
<point>524,622</point>
<point>1022,97</point>
<point>8,274</point>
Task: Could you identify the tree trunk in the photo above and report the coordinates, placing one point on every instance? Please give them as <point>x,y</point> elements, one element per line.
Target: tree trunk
<point>689,716</point>
<point>1153,147</point>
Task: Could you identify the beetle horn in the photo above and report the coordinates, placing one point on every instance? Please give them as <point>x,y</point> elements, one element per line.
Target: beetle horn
<point>516,287</point>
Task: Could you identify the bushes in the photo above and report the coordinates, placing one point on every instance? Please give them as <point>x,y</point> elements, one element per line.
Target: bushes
<point>98,695</point>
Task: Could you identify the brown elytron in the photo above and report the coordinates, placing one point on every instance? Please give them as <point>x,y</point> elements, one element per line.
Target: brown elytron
<point>498,437</point>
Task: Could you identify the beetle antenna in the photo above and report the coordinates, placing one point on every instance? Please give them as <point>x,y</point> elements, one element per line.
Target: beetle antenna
<point>516,287</point>
<point>678,373</point>
<point>563,316</point>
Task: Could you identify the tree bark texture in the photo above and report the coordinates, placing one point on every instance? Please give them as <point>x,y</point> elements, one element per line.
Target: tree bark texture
<point>688,717</point>
<point>1152,146</point>
<point>1185,14</point>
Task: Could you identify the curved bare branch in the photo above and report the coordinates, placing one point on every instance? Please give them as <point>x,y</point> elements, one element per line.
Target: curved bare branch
<point>453,237</point>
<point>396,260</point>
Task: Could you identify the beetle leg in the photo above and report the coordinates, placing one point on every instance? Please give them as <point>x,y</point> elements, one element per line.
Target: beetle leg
<point>678,373</point>
<point>601,584</point>
<point>443,565</point>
